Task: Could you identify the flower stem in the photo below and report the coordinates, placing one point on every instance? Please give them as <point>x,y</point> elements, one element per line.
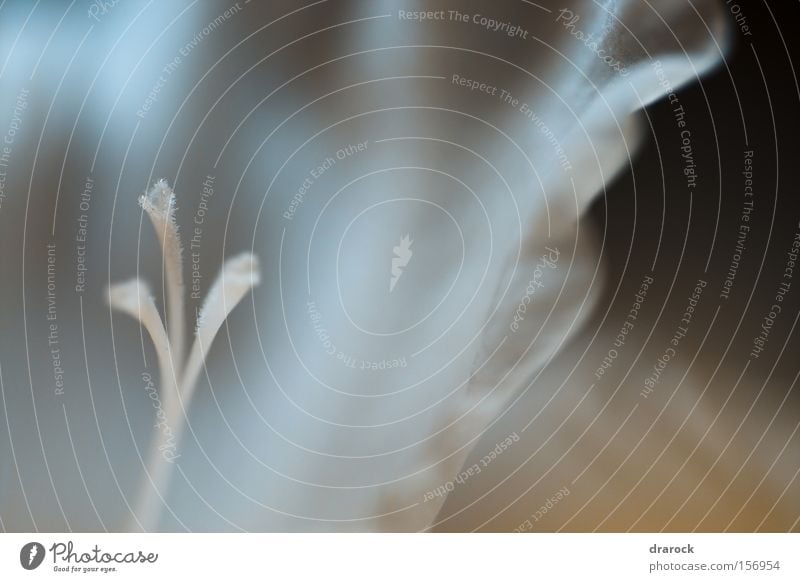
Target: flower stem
<point>159,203</point>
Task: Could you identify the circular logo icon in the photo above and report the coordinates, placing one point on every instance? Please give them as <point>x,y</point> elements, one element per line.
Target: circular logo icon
<point>31,555</point>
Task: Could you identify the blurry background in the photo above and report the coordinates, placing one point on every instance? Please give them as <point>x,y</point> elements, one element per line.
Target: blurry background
<point>100,99</point>
<point>715,448</point>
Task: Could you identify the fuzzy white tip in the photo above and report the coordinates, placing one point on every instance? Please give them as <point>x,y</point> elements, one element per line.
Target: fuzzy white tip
<point>160,199</point>
<point>242,270</point>
<point>127,296</point>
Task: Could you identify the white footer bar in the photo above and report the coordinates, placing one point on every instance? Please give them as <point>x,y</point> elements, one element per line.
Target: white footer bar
<point>401,557</point>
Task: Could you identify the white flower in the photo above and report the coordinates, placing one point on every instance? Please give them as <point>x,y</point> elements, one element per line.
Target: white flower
<point>345,406</point>
<point>178,378</point>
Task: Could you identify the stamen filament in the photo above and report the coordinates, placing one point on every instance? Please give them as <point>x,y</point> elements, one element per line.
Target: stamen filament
<point>238,275</point>
<point>133,298</point>
<point>159,203</point>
